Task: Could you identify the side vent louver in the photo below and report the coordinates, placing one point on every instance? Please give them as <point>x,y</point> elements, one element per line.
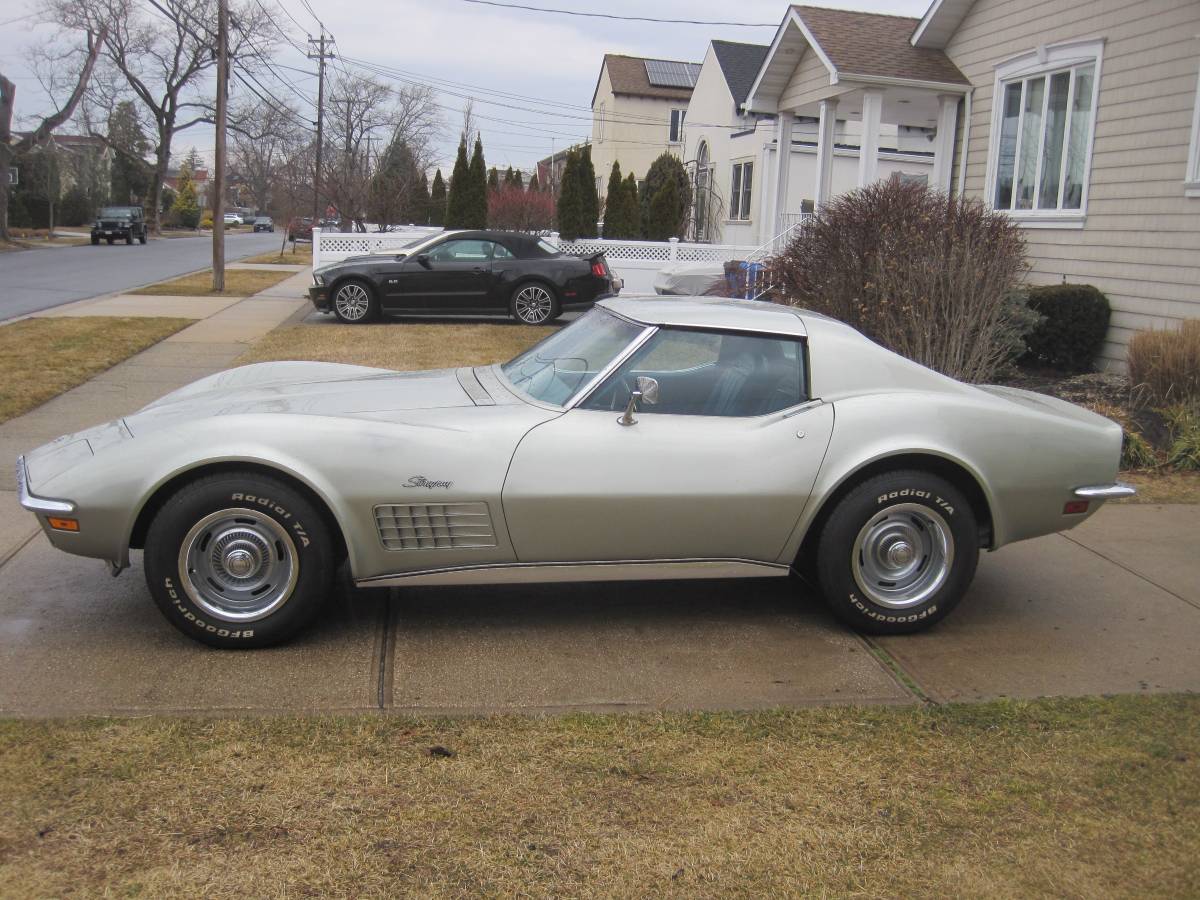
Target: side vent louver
<point>435,526</point>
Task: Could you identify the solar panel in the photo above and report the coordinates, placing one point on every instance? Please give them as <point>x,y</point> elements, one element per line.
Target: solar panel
<point>666,73</point>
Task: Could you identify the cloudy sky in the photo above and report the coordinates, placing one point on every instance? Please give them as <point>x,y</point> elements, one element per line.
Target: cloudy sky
<point>545,64</point>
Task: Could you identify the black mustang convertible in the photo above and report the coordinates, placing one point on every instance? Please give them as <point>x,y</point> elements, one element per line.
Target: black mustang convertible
<point>464,272</point>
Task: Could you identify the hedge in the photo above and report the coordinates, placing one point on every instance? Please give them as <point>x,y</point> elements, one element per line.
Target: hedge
<point>1075,320</point>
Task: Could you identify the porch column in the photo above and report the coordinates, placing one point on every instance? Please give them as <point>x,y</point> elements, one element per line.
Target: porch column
<point>943,145</point>
<point>783,165</point>
<point>868,151</point>
<point>825,134</point>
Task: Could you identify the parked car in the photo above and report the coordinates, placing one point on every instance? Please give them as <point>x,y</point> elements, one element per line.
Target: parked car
<point>127,223</point>
<point>264,223</point>
<point>300,229</point>
<point>234,218</point>
<point>651,438</point>
<point>464,272</point>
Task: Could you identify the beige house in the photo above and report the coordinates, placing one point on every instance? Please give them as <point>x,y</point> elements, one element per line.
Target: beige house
<point>1079,118</point>
<point>638,111</point>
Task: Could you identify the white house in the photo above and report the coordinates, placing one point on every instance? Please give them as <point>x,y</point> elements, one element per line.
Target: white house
<point>1078,118</point>
<point>732,153</point>
<point>638,110</point>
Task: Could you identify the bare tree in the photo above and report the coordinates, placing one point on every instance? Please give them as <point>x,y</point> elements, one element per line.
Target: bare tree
<point>161,58</point>
<point>264,137</point>
<point>41,134</point>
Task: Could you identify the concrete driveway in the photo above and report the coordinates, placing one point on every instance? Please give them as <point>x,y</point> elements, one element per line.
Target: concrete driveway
<point>1114,607</point>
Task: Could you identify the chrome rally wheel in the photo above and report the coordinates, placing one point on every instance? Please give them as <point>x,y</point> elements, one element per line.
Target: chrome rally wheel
<point>897,552</point>
<point>903,555</point>
<point>533,304</point>
<point>238,565</point>
<point>352,302</point>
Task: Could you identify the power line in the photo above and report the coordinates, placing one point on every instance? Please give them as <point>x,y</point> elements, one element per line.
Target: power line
<point>597,15</point>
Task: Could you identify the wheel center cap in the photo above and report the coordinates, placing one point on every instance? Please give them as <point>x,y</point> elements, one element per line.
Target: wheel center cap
<point>900,554</point>
<point>239,563</point>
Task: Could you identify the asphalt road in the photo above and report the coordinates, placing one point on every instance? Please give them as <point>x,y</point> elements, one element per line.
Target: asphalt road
<point>33,280</point>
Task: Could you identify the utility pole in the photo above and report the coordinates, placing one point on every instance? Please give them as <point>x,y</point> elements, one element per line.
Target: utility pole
<point>218,279</point>
<point>320,55</point>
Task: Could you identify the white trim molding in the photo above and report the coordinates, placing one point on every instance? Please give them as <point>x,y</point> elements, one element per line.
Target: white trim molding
<point>1047,59</point>
<point>1191,181</point>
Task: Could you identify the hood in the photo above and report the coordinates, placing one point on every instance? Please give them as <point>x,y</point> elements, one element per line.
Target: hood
<point>303,388</point>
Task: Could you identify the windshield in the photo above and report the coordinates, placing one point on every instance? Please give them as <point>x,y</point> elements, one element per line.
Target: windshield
<point>116,212</point>
<point>554,369</point>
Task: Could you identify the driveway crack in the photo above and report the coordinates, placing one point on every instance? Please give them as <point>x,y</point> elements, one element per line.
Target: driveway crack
<point>1133,572</point>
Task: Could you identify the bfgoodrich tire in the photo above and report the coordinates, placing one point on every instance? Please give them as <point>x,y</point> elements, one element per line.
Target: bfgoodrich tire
<point>897,553</point>
<point>239,560</point>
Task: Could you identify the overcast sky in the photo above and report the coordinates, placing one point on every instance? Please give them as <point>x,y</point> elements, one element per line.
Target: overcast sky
<point>549,62</point>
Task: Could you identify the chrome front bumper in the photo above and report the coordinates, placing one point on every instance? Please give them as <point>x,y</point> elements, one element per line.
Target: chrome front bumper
<point>1114,491</point>
<point>34,503</point>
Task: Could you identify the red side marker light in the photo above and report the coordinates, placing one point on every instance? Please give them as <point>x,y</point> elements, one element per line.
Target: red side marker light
<point>1075,507</point>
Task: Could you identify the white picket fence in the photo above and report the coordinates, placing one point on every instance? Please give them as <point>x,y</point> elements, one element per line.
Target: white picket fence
<point>637,262</point>
<point>330,246</point>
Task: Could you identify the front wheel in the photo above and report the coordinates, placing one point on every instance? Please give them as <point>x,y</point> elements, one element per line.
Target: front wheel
<point>95,241</point>
<point>533,304</point>
<point>142,238</point>
<point>110,241</point>
<point>353,303</point>
<point>898,553</point>
<point>239,560</point>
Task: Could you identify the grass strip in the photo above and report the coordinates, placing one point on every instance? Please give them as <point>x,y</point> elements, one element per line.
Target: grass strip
<point>300,255</point>
<point>405,346</point>
<point>238,283</point>
<point>1076,797</point>
<point>43,357</point>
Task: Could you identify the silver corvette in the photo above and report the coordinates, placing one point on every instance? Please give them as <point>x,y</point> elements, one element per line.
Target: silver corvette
<point>650,439</point>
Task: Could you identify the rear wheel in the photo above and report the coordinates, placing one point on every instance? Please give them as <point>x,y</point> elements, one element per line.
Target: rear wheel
<point>129,239</point>
<point>353,303</point>
<point>533,303</point>
<point>239,560</point>
<point>109,240</point>
<point>898,553</point>
<point>95,241</point>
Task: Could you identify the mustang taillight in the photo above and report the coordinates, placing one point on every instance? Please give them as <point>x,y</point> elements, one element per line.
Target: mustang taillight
<point>1075,507</point>
<point>598,269</point>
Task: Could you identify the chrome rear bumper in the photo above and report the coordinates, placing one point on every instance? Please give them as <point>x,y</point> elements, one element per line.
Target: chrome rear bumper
<point>31,501</point>
<point>1113,491</point>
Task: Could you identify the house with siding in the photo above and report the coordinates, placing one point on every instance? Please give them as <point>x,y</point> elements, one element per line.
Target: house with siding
<point>1080,119</point>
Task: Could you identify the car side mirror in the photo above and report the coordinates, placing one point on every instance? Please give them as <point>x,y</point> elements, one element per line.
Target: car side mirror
<point>423,259</point>
<point>646,389</point>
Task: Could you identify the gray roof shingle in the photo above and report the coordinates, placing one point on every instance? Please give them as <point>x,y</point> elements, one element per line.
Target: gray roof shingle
<point>739,64</point>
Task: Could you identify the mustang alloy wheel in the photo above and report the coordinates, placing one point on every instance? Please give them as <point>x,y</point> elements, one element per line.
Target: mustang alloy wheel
<point>533,304</point>
<point>898,552</point>
<point>238,560</point>
<point>353,303</point>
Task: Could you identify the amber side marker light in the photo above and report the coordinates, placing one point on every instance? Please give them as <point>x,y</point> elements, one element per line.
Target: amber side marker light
<point>63,524</point>
<point>1075,507</point>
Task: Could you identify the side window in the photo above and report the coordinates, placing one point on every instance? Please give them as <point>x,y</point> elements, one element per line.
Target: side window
<point>707,373</point>
<point>462,251</point>
<point>501,252</point>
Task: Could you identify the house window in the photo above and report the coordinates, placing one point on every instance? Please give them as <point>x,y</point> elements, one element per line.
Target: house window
<point>741,186</point>
<point>677,125</point>
<point>600,125</point>
<point>1042,132</point>
<point>1191,183</point>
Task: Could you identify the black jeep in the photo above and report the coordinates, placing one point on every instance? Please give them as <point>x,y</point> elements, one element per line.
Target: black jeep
<point>125,222</point>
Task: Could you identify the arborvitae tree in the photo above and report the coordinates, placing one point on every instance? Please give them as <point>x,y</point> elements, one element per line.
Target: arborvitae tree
<point>396,192</point>
<point>590,195</point>
<point>570,203</point>
<point>635,205</point>
<point>663,220</point>
<point>533,182</point>
<point>437,200</point>
<point>517,181</point>
<point>476,209</point>
<point>508,177</point>
<point>458,199</point>
<point>667,167</point>
<point>421,201</point>
<point>186,206</point>
<point>493,181</point>
<point>129,173</point>
<point>615,215</point>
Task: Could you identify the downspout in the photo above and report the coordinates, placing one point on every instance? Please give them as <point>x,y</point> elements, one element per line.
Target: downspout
<point>966,135</point>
